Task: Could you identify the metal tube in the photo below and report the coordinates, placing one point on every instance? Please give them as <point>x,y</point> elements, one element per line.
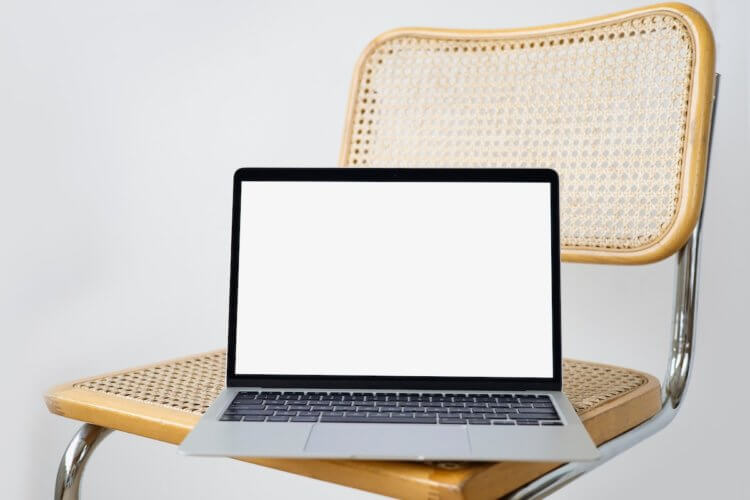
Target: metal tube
<point>674,385</point>
<point>675,381</point>
<point>74,460</point>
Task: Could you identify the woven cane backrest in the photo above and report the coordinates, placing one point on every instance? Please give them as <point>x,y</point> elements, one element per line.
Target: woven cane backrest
<point>619,106</point>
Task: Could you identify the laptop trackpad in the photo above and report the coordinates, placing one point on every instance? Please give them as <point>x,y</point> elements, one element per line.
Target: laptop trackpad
<point>388,440</point>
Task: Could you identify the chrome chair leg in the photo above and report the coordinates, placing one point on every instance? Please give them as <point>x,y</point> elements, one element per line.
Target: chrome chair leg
<point>673,387</point>
<point>675,381</point>
<point>74,460</point>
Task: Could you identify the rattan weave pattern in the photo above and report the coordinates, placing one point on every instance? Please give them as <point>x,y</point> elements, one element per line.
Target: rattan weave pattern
<point>606,107</point>
<point>589,385</point>
<point>191,384</point>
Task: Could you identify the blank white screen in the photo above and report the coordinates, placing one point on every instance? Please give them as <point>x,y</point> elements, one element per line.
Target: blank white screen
<point>395,278</point>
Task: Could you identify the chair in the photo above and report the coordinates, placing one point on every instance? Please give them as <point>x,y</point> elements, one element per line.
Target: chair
<point>620,105</point>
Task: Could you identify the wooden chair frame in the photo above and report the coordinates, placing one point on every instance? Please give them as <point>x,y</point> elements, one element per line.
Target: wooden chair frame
<point>674,386</point>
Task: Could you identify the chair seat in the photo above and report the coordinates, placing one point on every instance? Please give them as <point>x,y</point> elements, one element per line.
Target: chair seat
<point>164,401</point>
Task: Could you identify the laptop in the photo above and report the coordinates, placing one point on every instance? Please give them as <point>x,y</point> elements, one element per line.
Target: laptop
<point>405,314</point>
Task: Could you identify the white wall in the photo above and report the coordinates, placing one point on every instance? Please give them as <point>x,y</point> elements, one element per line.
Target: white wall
<point>121,124</point>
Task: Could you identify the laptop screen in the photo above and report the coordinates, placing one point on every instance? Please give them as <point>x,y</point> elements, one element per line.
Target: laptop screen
<point>422,279</point>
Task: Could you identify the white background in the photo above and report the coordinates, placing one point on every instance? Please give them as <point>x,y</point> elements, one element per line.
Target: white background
<point>120,127</point>
<point>395,278</point>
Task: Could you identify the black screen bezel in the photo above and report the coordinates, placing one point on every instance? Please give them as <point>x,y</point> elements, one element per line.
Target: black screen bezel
<point>397,175</point>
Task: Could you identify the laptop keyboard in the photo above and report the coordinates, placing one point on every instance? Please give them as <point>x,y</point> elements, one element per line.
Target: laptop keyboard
<point>392,408</point>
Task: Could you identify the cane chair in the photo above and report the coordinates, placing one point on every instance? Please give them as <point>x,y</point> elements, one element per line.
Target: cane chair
<point>620,106</point>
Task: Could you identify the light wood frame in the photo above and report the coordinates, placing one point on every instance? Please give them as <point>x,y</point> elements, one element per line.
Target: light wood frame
<point>400,479</point>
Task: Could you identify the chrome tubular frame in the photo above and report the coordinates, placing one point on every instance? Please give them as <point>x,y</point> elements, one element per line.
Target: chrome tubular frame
<point>675,381</point>
<point>673,391</point>
<point>74,460</point>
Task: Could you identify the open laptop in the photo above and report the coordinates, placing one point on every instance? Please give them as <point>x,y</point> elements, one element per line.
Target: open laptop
<point>394,314</point>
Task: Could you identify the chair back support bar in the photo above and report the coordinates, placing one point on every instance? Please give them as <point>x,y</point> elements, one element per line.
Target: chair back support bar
<point>679,364</point>
<point>618,105</point>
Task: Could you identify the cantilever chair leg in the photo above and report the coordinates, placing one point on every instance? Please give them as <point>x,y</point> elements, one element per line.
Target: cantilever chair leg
<point>673,388</point>
<point>74,460</point>
<point>675,381</point>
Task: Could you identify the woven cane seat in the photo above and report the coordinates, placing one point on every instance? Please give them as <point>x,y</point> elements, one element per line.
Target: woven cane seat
<point>607,103</point>
<point>163,401</point>
<point>192,384</point>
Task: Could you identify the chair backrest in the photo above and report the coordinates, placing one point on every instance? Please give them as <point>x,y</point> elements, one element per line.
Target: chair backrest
<point>619,106</point>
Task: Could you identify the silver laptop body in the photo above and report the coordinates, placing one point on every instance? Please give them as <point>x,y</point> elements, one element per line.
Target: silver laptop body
<point>406,314</point>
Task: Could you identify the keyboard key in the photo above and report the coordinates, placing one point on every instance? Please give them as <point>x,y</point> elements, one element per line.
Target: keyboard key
<point>390,408</point>
<point>527,422</point>
<point>498,405</point>
<point>231,418</point>
<point>278,419</point>
<point>502,411</point>
<point>452,421</point>
<point>265,413</point>
<point>474,421</point>
<point>534,416</point>
<point>253,418</point>
<point>481,411</point>
<point>405,420</point>
<point>304,419</point>
<point>552,423</point>
<point>537,410</point>
<point>503,422</point>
